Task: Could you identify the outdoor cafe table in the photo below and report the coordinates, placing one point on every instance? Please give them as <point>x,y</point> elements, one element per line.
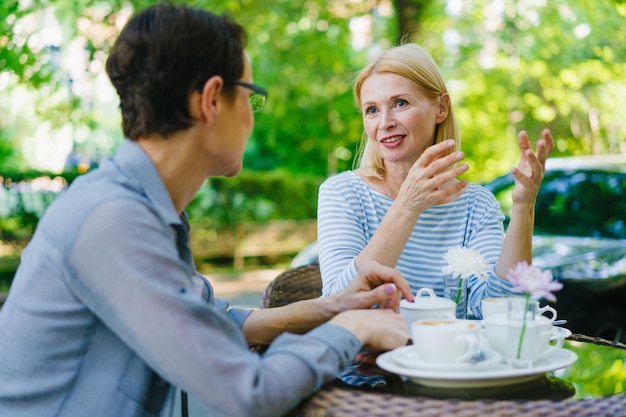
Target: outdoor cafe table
<point>593,386</point>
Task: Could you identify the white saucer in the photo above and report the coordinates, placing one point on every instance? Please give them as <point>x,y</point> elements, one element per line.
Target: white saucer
<point>565,333</point>
<point>486,376</point>
<point>409,357</point>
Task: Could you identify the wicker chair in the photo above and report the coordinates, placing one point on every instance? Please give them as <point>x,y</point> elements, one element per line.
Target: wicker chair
<point>302,283</point>
<point>296,284</point>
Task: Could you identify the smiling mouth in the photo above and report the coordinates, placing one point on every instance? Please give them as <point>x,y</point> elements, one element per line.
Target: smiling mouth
<point>392,139</point>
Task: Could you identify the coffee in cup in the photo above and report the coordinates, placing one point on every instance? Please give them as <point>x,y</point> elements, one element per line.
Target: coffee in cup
<point>446,340</point>
<point>491,306</point>
<point>426,306</point>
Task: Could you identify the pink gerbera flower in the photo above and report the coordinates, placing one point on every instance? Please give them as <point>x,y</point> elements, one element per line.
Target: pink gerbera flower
<point>533,281</point>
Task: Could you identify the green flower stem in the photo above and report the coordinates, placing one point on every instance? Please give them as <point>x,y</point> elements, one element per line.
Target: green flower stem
<point>458,293</point>
<point>521,336</point>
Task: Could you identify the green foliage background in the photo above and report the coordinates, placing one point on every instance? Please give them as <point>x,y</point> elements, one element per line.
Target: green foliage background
<point>510,65</point>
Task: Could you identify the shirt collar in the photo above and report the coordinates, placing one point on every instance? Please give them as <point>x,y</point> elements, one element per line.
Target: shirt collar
<point>135,162</point>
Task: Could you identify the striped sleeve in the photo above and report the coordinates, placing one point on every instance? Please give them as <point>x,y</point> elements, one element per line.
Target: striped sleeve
<point>341,234</point>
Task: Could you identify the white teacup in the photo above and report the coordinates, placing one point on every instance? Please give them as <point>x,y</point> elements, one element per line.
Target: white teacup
<point>493,306</point>
<point>500,306</point>
<point>518,306</point>
<point>426,306</point>
<point>446,340</point>
<point>540,338</point>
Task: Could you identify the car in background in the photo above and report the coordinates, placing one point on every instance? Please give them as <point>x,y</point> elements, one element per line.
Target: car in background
<point>580,236</point>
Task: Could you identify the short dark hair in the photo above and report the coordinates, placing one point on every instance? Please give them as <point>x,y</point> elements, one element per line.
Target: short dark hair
<point>161,56</point>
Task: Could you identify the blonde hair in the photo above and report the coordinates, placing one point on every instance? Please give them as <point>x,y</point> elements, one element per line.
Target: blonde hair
<point>410,61</point>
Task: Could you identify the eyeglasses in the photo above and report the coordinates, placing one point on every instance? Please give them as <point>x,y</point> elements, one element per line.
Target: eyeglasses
<point>257,98</point>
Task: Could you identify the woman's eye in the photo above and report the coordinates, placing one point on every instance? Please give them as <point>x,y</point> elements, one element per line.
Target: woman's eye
<point>370,110</point>
<point>401,103</point>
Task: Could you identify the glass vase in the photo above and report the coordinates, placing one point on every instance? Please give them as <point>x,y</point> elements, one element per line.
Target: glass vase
<point>455,289</point>
<point>522,312</point>
<point>522,308</point>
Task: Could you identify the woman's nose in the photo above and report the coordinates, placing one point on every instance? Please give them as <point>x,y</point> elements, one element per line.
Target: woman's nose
<point>387,120</point>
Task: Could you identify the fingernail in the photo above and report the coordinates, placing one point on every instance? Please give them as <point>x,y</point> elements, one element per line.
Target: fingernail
<point>390,289</point>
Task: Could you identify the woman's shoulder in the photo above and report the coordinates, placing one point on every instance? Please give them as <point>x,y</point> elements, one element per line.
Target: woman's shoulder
<point>342,178</point>
<point>344,181</point>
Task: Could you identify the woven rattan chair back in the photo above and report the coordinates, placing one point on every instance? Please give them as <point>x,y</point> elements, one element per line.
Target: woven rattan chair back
<point>302,283</point>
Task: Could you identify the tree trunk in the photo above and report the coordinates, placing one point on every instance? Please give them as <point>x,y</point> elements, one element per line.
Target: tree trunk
<point>409,14</point>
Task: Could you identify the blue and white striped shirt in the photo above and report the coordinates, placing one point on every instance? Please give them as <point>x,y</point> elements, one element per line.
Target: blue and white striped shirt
<point>350,212</point>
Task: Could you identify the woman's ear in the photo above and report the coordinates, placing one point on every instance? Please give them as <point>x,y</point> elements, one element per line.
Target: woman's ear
<point>443,107</point>
<point>210,98</point>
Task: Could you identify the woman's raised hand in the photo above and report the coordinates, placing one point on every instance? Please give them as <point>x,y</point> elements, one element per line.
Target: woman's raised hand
<point>531,168</point>
<point>432,180</point>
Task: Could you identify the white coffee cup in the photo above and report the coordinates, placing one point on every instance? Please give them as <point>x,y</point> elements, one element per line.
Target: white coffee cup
<point>426,306</point>
<point>500,306</point>
<point>446,340</point>
<point>540,338</point>
<point>518,306</point>
<point>493,306</point>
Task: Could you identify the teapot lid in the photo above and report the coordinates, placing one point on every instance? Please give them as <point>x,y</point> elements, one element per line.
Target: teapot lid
<point>430,301</point>
<point>428,304</point>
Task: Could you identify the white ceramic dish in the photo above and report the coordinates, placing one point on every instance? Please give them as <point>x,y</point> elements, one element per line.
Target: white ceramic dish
<point>496,373</point>
<point>408,357</point>
<point>565,332</point>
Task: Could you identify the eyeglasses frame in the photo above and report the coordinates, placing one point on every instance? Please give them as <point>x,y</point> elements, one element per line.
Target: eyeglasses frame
<point>258,90</point>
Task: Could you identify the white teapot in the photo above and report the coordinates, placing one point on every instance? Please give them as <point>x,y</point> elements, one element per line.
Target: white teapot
<point>426,306</point>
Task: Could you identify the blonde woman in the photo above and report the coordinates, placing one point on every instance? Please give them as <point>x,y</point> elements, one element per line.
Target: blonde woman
<point>404,206</point>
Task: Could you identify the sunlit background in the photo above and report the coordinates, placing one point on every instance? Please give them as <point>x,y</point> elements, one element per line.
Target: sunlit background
<point>509,65</point>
